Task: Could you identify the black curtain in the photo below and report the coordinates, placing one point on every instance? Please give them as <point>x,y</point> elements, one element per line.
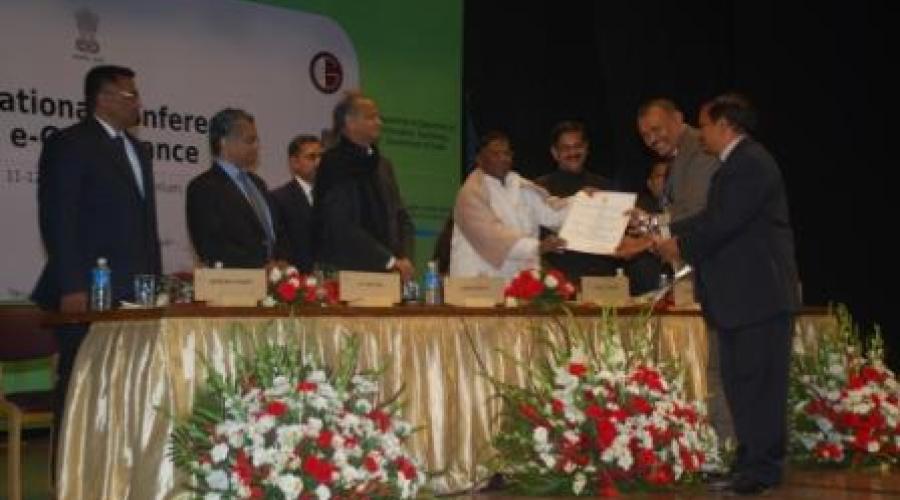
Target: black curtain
<point>819,74</point>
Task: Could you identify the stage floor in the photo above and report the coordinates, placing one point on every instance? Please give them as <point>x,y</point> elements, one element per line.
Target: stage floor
<point>812,484</point>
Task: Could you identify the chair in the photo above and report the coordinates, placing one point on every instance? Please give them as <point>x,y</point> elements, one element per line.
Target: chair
<point>22,338</point>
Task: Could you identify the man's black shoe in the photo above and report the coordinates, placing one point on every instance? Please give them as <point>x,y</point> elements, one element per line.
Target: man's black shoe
<point>718,481</point>
<point>746,486</point>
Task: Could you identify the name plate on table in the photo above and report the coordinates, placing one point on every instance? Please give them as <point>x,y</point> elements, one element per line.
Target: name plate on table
<point>683,294</point>
<point>369,289</point>
<point>473,292</point>
<point>605,291</point>
<point>230,287</point>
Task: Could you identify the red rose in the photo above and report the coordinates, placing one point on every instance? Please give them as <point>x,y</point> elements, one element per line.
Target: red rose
<point>606,433</point>
<point>306,386</point>
<point>594,412</point>
<point>406,468</point>
<point>324,440</point>
<point>276,408</point>
<point>370,464</point>
<point>242,467</point>
<point>577,369</point>
<point>640,405</point>
<point>286,291</point>
<point>661,475</point>
<point>558,407</point>
<point>320,470</point>
<point>382,420</point>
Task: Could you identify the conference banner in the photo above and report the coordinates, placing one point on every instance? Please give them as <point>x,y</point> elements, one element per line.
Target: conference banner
<point>285,62</point>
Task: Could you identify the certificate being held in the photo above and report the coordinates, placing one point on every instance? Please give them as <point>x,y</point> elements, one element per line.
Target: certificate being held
<point>595,223</point>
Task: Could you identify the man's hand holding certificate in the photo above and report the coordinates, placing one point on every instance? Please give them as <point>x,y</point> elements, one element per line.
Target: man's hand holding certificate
<point>596,222</point>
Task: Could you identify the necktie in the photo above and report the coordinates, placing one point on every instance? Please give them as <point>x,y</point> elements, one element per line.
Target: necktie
<point>260,207</point>
<point>119,141</point>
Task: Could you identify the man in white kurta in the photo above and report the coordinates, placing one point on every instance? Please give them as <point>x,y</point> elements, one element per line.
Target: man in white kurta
<point>497,217</point>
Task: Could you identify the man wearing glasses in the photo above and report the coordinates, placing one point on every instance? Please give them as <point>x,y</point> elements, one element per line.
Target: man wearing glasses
<point>95,199</point>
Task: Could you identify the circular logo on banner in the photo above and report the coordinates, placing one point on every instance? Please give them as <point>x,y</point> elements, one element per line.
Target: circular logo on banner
<point>326,72</point>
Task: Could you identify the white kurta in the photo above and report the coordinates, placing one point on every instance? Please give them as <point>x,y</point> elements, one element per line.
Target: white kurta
<point>521,209</point>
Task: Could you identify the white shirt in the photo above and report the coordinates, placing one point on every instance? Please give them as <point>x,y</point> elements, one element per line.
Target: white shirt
<point>306,187</point>
<point>129,151</point>
<point>729,148</point>
<point>522,209</point>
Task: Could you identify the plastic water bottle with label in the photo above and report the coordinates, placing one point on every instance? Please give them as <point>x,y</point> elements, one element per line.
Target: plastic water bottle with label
<point>433,295</point>
<point>101,286</point>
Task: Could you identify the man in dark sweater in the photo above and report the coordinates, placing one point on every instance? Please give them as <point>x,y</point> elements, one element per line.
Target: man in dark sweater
<point>569,147</point>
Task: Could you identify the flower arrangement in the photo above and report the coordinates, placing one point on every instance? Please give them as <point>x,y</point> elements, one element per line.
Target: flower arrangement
<point>540,287</point>
<point>844,401</point>
<point>288,286</point>
<point>284,428</point>
<point>593,422</point>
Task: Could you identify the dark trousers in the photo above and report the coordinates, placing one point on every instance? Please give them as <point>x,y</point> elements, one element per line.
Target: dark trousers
<point>68,339</point>
<point>755,362</point>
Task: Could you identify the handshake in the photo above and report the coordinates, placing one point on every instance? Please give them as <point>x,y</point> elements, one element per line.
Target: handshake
<point>645,234</point>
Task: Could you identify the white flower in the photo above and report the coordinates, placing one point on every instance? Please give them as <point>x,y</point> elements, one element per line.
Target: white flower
<point>219,452</point>
<point>571,436</point>
<point>873,446</point>
<point>549,460</point>
<point>212,496</point>
<point>836,370</point>
<point>217,480</point>
<point>540,435</point>
<point>291,486</point>
<point>536,274</point>
<point>311,281</point>
<point>551,282</point>
<point>275,275</point>
<point>316,376</point>
<point>269,301</point>
<point>313,427</point>
<point>323,492</point>
<point>579,483</point>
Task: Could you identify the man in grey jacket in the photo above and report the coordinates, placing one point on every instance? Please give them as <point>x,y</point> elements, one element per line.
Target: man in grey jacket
<point>663,130</point>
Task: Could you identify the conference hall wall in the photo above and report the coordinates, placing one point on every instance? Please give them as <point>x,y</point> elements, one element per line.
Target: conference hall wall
<point>287,62</point>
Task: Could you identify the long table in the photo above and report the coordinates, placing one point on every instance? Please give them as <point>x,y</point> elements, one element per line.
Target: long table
<point>138,368</point>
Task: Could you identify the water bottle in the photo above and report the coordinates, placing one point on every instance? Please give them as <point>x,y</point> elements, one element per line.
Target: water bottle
<point>432,285</point>
<point>101,287</point>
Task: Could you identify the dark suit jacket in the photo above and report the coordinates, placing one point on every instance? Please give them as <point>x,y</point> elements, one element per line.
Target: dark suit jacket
<point>342,238</point>
<point>223,225</point>
<point>742,245</point>
<point>295,215</point>
<point>89,206</point>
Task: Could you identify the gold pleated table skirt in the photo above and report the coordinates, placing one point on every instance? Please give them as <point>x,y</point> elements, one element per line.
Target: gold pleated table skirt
<point>132,376</point>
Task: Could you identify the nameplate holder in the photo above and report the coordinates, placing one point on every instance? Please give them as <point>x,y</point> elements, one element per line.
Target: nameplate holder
<point>605,291</point>
<point>369,289</point>
<point>473,292</point>
<point>230,287</point>
<point>683,294</point>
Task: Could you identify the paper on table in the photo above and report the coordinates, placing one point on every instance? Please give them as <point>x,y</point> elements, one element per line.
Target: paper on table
<point>595,223</point>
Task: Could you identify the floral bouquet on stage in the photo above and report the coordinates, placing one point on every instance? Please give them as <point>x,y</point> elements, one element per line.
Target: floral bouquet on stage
<point>288,286</point>
<point>285,428</point>
<point>596,421</point>
<point>844,401</point>
<point>540,287</point>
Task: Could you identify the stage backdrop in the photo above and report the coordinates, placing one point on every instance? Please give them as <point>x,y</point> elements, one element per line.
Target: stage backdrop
<point>286,62</point>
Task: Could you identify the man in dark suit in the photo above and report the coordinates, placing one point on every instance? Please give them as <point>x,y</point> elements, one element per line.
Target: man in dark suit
<point>742,248</point>
<point>229,214</point>
<point>360,221</point>
<point>95,199</point>
<point>294,200</point>
<point>569,147</point>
